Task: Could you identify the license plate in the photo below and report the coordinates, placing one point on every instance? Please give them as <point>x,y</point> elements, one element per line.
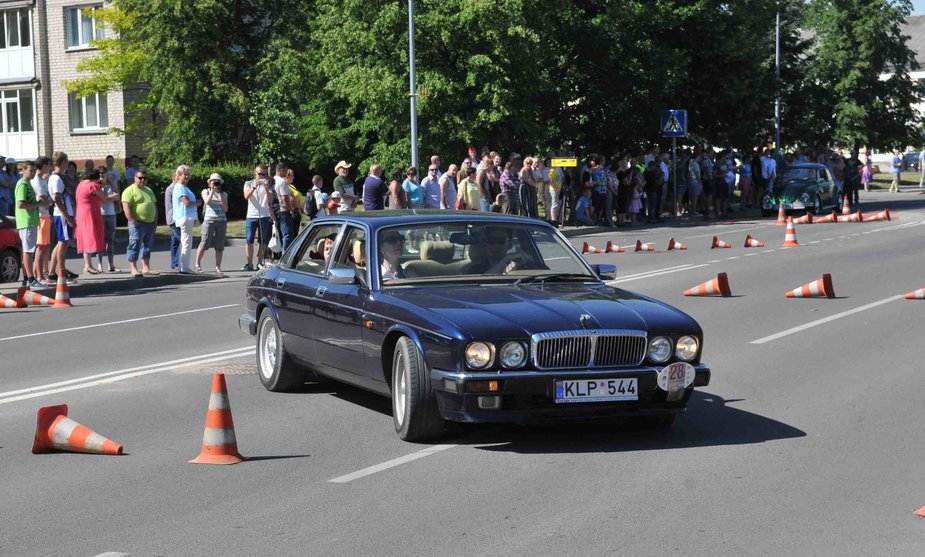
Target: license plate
<point>596,390</point>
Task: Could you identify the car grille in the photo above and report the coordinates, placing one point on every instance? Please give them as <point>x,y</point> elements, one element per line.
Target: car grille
<point>588,349</point>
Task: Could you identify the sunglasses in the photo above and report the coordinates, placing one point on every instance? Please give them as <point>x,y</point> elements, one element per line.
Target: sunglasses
<point>496,241</point>
<point>142,178</point>
<point>432,169</point>
<point>261,174</point>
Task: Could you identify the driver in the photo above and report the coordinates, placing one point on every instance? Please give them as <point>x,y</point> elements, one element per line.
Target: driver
<point>391,246</point>
<point>493,251</point>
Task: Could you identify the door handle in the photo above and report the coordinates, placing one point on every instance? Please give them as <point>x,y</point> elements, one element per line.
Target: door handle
<point>280,283</point>
<point>320,291</point>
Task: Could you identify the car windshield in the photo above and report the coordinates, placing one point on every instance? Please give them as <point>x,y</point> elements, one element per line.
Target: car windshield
<point>794,174</point>
<point>476,251</point>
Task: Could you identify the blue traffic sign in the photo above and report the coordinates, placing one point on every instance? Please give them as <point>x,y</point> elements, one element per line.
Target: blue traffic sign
<point>674,123</point>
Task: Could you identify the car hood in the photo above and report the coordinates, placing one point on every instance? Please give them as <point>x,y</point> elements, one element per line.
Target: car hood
<point>508,311</point>
<point>791,190</point>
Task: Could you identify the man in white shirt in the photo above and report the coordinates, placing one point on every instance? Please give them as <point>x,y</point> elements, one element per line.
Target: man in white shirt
<point>43,242</point>
<point>431,187</point>
<point>922,168</point>
<point>768,168</point>
<point>259,218</point>
<point>286,206</point>
<point>63,218</point>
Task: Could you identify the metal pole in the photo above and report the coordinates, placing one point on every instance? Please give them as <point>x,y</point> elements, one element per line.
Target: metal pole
<point>777,85</point>
<point>674,167</point>
<point>413,90</point>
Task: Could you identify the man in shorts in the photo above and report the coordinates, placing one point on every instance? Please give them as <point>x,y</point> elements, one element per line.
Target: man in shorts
<point>43,242</point>
<point>27,222</point>
<point>259,195</point>
<point>63,217</point>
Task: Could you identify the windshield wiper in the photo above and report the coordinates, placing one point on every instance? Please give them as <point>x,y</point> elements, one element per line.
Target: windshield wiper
<point>550,276</point>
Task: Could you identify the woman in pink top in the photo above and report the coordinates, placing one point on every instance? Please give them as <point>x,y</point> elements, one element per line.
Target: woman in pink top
<point>89,231</point>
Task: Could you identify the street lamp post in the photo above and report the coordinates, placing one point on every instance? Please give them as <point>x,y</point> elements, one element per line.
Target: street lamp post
<point>413,91</point>
<point>777,84</point>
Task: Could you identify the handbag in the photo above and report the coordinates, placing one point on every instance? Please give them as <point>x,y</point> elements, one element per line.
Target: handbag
<point>460,203</point>
<point>274,243</point>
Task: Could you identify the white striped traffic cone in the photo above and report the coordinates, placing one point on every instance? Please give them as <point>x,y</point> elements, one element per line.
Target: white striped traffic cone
<point>845,206</point>
<point>219,445</point>
<point>718,286</point>
<point>8,302</point>
<point>672,245</point>
<point>807,218</point>
<point>882,215</point>
<point>752,243</point>
<point>790,238</point>
<point>781,215</point>
<point>644,247</point>
<point>26,297</point>
<point>612,248</point>
<point>821,288</point>
<point>833,217</point>
<point>717,243</point>
<point>853,217</point>
<point>588,248</point>
<point>62,296</point>
<point>54,431</point>
<point>916,294</point>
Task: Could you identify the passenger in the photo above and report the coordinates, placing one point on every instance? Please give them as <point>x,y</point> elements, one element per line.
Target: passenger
<point>391,246</point>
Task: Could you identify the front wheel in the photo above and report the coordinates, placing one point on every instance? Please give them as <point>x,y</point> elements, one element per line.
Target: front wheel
<point>9,266</point>
<point>414,406</point>
<point>817,206</point>
<point>277,371</point>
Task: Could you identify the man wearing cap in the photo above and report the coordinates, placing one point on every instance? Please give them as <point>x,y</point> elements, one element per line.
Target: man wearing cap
<point>214,222</point>
<point>8,181</point>
<point>374,190</point>
<point>344,186</point>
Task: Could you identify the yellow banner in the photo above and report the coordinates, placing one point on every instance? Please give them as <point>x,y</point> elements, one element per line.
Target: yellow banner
<point>564,162</point>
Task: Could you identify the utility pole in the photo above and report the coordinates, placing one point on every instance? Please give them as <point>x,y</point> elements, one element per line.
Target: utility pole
<point>777,145</point>
<point>413,91</point>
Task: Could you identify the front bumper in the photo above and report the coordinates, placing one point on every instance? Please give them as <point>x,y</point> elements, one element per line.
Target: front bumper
<point>247,323</point>
<point>528,397</point>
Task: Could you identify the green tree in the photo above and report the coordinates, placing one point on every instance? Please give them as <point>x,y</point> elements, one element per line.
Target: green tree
<point>858,41</point>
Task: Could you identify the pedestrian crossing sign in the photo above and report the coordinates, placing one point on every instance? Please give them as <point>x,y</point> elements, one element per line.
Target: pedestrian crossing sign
<point>674,123</point>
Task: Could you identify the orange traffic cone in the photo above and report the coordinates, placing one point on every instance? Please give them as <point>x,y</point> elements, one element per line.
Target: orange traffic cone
<point>717,243</point>
<point>26,297</point>
<point>62,296</point>
<point>854,217</point>
<point>790,238</point>
<point>587,248</point>
<point>781,215</point>
<point>611,248</point>
<point>54,431</point>
<point>644,247</point>
<point>713,287</point>
<point>845,206</point>
<point>219,445</point>
<point>675,245</point>
<point>882,215</point>
<point>821,288</point>
<point>752,243</point>
<point>8,302</point>
<point>920,512</point>
<point>807,218</point>
<point>916,294</point>
<point>833,217</point>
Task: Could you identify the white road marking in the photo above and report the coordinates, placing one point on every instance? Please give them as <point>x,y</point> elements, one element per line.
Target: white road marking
<point>750,254</point>
<point>655,274</point>
<point>646,273</point>
<point>769,250</point>
<point>111,554</point>
<point>714,261</point>
<point>828,319</point>
<point>111,323</point>
<point>734,257</point>
<point>391,464</point>
<point>710,235</point>
<point>814,242</point>
<point>113,376</point>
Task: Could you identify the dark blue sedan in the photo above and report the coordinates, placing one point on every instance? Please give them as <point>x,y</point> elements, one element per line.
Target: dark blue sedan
<point>470,317</point>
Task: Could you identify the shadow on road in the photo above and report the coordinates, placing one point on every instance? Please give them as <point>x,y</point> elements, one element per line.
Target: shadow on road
<point>709,421</point>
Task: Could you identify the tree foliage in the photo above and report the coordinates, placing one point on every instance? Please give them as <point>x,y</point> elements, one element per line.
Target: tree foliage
<point>315,81</point>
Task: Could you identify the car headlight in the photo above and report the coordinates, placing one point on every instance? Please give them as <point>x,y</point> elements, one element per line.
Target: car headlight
<point>686,348</point>
<point>805,197</point>
<point>659,349</point>
<point>512,354</point>
<point>479,354</point>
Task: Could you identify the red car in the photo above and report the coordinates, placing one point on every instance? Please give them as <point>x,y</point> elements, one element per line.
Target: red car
<point>10,250</point>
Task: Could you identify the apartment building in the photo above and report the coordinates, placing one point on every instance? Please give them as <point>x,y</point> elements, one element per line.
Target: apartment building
<point>41,43</point>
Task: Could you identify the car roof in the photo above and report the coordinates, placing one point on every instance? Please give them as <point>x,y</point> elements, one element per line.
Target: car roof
<point>381,219</point>
<point>813,165</point>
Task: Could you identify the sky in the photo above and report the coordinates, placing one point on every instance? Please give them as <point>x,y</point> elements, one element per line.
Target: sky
<point>918,7</point>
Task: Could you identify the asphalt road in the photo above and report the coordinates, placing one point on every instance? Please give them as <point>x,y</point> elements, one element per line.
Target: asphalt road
<point>807,442</point>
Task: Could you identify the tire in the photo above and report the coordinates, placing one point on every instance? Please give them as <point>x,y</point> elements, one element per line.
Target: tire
<point>10,266</point>
<point>414,406</point>
<point>275,367</point>
<point>818,209</point>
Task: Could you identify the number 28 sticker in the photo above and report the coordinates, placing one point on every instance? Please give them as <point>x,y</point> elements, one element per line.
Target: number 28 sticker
<point>676,376</point>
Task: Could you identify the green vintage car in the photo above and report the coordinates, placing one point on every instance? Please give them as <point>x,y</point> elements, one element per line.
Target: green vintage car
<point>802,187</point>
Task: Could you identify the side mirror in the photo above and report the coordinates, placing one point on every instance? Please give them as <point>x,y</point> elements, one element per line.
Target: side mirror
<point>605,271</point>
<point>342,276</point>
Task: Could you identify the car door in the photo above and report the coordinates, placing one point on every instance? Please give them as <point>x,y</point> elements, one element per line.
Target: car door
<point>299,277</point>
<point>339,307</point>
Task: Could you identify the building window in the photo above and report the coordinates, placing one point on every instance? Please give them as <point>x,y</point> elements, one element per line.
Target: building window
<point>17,115</point>
<point>88,113</point>
<point>82,26</point>
<point>15,29</point>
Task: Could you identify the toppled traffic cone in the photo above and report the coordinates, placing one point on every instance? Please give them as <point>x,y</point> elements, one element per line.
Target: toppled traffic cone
<point>672,245</point>
<point>828,218</point>
<point>781,215</point>
<point>821,288</point>
<point>587,248</point>
<point>854,217</point>
<point>644,247</point>
<point>62,296</point>
<point>717,243</point>
<point>790,238</point>
<point>920,512</point>
<point>54,431</point>
<point>882,215</point>
<point>8,302</point>
<point>714,287</point>
<point>26,297</point>
<point>807,218</point>
<point>752,243</point>
<point>845,206</point>
<point>611,248</point>
<point>916,294</point>
<point>219,445</point>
